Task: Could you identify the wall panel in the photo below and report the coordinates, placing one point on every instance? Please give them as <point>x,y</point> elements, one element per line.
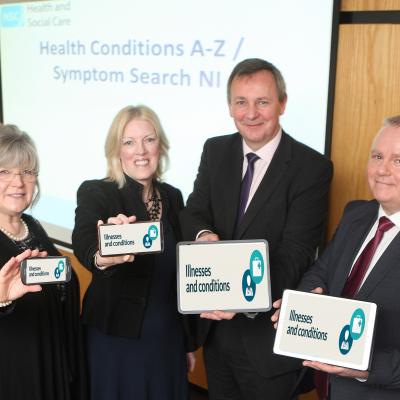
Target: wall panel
<point>370,5</point>
<point>367,88</point>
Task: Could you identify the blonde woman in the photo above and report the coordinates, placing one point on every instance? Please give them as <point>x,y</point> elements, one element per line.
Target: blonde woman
<point>136,340</point>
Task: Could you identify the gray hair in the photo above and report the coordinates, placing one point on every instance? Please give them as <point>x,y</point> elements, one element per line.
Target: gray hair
<point>18,150</point>
<point>392,121</point>
<point>252,65</point>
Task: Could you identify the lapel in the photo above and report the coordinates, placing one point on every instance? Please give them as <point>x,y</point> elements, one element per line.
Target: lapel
<point>164,198</point>
<point>355,235</point>
<point>230,181</point>
<point>279,164</point>
<point>389,260</point>
<point>131,198</point>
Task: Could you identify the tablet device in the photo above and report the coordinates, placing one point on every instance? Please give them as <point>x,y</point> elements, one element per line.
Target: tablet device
<point>332,330</point>
<point>135,238</point>
<point>44,270</point>
<point>223,275</point>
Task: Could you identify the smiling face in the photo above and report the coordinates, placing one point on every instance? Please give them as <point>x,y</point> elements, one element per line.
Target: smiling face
<point>255,107</point>
<point>383,170</point>
<point>140,151</point>
<point>15,195</point>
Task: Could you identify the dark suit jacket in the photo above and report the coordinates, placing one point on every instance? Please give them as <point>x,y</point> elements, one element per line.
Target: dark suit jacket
<point>288,210</point>
<point>382,287</point>
<point>116,299</point>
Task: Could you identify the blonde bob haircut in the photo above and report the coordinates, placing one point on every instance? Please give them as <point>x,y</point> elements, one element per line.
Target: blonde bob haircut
<point>18,150</point>
<point>113,143</point>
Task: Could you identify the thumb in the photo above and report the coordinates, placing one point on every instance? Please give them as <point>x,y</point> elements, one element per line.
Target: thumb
<point>318,290</point>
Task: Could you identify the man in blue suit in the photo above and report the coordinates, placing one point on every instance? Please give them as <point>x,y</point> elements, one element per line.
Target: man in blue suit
<point>379,279</point>
<point>286,204</point>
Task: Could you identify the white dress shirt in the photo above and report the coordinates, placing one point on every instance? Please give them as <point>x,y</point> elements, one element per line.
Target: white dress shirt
<point>387,238</point>
<point>261,165</point>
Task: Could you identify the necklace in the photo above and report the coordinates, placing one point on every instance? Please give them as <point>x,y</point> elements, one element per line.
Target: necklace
<point>14,237</point>
<point>153,206</point>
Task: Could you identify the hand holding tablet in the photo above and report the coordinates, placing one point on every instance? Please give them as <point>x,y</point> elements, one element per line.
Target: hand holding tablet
<point>327,330</point>
<point>45,270</point>
<point>229,276</point>
<point>130,238</point>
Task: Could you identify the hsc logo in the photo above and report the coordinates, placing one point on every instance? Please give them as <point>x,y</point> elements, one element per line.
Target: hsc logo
<point>12,16</point>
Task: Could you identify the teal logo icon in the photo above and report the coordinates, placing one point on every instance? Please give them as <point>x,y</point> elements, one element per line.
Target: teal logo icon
<point>12,16</point>
<point>147,242</point>
<point>256,266</point>
<point>352,331</point>
<point>357,324</point>
<point>248,286</point>
<point>59,269</point>
<point>345,340</point>
<point>253,275</point>
<point>153,232</point>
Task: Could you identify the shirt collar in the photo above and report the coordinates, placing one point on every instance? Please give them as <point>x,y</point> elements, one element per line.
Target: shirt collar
<point>395,218</point>
<point>267,151</point>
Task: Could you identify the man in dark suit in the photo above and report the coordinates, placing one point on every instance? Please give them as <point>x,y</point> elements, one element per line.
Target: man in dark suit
<point>286,204</point>
<point>379,278</point>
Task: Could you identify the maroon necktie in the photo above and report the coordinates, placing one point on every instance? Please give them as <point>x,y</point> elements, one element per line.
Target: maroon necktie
<point>360,267</point>
<point>352,286</point>
<point>246,184</point>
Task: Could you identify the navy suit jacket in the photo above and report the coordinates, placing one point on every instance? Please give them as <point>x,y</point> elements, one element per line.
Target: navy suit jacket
<point>288,210</point>
<point>382,287</point>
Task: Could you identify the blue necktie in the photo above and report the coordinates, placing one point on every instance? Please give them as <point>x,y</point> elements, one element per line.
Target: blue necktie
<point>246,184</point>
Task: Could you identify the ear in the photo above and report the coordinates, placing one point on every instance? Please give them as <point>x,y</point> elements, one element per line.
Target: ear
<point>230,109</point>
<point>283,105</point>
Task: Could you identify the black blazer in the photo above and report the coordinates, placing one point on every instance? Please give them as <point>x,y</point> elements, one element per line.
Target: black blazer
<point>382,287</point>
<point>116,299</point>
<point>41,335</point>
<point>288,210</point>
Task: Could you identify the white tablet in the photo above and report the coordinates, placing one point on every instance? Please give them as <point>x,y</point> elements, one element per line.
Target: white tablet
<point>136,238</point>
<point>224,275</point>
<point>328,329</point>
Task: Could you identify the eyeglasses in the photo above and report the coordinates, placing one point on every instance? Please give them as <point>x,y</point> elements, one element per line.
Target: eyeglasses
<point>26,176</point>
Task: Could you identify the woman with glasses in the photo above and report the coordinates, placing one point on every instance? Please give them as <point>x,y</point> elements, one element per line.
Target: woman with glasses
<point>41,348</point>
<point>135,337</point>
